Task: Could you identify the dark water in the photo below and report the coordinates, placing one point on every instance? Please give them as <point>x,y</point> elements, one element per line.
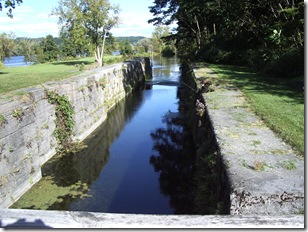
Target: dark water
<point>16,61</point>
<point>139,161</point>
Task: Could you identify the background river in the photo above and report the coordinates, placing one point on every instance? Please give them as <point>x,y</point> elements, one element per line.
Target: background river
<point>16,61</point>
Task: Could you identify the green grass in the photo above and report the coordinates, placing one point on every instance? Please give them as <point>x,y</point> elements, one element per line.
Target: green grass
<point>279,102</point>
<point>13,78</point>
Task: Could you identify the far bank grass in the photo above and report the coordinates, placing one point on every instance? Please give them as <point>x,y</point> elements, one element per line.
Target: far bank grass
<point>279,102</point>
<point>13,78</point>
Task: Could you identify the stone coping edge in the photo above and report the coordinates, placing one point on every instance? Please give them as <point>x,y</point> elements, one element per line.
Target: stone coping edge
<point>21,218</point>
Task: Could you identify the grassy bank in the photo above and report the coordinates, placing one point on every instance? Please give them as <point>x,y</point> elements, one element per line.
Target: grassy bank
<point>279,102</point>
<point>13,78</point>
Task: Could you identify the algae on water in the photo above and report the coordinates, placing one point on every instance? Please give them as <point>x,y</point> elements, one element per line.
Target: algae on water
<point>47,195</point>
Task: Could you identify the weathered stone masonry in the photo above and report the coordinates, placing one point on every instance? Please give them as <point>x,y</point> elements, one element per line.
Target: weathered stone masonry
<point>27,120</point>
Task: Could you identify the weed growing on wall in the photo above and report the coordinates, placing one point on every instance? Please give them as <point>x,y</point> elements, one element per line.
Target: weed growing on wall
<point>2,120</point>
<point>64,122</point>
<point>18,114</point>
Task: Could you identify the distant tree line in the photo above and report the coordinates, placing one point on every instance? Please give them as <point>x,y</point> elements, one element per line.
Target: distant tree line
<point>264,35</point>
<point>49,48</point>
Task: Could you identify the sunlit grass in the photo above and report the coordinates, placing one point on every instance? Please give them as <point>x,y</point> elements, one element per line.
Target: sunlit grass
<point>277,101</point>
<point>13,78</point>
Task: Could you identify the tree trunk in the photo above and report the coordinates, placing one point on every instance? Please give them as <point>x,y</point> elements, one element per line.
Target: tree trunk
<point>99,54</point>
<point>198,33</point>
<point>98,57</point>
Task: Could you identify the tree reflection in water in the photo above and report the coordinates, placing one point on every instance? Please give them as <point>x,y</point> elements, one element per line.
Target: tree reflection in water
<point>175,162</point>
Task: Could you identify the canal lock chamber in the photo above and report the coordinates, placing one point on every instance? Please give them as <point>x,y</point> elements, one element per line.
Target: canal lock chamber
<point>174,168</point>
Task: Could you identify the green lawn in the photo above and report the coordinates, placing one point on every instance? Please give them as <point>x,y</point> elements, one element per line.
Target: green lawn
<point>13,78</point>
<point>279,102</point>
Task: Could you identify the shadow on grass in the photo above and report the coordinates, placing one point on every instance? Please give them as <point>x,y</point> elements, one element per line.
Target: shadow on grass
<point>4,73</point>
<point>254,82</point>
<point>72,62</point>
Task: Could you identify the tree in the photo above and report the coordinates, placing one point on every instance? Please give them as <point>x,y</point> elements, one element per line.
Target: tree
<point>144,45</point>
<point>7,46</point>
<point>48,50</point>
<point>73,32</point>
<point>126,48</point>
<point>100,16</point>
<point>157,38</point>
<point>164,12</point>
<point>28,47</point>
<point>10,4</point>
<point>74,45</point>
<point>111,44</point>
<point>162,42</point>
<point>85,21</point>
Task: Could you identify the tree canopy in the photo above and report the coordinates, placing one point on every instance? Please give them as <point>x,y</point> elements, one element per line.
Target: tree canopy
<point>258,33</point>
<point>87,22</point>
<point>49,50</point>
<point>7,46</point>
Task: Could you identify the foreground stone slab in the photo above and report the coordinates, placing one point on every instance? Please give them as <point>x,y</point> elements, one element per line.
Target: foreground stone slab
<point>15,218</point>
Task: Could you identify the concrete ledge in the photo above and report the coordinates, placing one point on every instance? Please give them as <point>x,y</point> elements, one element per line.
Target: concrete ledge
<point>15,218</point>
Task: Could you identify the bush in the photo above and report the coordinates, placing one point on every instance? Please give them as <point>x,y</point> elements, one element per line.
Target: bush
<point>288,63</point>
<point>277,62</point>
<point>167,52</point>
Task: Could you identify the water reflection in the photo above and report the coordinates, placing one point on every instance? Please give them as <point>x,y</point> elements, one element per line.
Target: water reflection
<point>173,159</point>
<point>165,69</point>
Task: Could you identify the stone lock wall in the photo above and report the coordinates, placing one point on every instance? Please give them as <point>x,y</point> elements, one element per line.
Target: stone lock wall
<point>250,174</point>
<point>27,120</point>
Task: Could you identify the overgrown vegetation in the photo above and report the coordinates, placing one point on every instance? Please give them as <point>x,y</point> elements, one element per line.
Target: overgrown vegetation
<point>64,119</point>
<point>64,122</point>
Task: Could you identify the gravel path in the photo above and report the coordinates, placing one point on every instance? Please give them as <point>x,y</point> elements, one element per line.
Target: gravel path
<point>265,174</point>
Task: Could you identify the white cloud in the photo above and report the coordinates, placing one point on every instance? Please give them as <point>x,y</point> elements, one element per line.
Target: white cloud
<point>28,23</point>
<point>134,25</point>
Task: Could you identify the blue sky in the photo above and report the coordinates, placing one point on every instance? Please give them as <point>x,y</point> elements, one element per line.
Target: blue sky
<point>32,19</point>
